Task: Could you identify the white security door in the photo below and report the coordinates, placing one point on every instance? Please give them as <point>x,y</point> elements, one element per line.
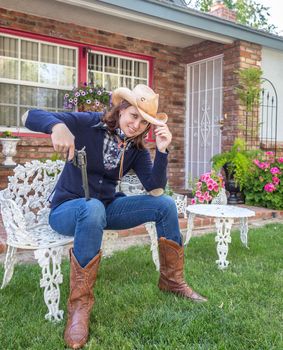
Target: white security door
<point>204,112</point>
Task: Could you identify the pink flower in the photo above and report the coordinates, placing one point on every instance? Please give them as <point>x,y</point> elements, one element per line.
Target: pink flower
<point>205,177</point>
<point>280,160</point>
<point>263,165</point>
<point>199,184</point>
<point>215,188</point>
<point>201,199</point>
<point>210,187</point>
<point>210,181</point>
<point>269,153</point>
<point>193,201</point>
<point>275,180</point>
<point>269,187</point>
<point>275,170</point>
<point>206,196</point>
<point>198,194</point>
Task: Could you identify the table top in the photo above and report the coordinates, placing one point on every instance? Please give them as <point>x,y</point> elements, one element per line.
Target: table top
<point>220,211</point>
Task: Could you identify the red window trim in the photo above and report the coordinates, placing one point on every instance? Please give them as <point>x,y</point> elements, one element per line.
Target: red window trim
<point>82,58</point>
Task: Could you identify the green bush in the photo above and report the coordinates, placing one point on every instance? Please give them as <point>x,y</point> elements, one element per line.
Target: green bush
<point>264,186</point>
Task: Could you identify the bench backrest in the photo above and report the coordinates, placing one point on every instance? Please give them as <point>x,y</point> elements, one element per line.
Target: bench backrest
<point>33,182</point>
<point>30,187</point>
<point>131,185</point>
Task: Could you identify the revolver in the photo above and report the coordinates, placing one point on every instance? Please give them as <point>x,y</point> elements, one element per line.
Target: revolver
<point>80,161</point>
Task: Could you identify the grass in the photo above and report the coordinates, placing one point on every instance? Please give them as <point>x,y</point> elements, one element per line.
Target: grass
<point>244,312</point>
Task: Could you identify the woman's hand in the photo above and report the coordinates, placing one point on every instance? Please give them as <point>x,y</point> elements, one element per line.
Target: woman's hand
<point>63,140</point>
<point>163,137</point>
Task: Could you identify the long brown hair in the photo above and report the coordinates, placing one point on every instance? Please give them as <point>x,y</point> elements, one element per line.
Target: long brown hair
<point>111,119</point>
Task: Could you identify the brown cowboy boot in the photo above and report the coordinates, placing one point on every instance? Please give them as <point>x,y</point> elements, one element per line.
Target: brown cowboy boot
<point>171,256</point>
<point>81,300</point>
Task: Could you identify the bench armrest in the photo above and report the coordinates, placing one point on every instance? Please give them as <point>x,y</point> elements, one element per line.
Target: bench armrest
<point>14,221</point>
<point>181,203</point>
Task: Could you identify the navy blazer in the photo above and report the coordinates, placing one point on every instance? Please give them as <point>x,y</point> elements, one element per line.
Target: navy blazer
<point>102,182</point>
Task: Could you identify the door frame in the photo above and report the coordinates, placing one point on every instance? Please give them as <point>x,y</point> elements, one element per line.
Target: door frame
<point>187,133</point>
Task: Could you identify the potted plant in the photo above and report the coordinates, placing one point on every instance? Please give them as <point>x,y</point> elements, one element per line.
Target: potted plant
<point>208,187</point>
<point>237,164</point>
<point>87,98</point>
<point>9,147</point>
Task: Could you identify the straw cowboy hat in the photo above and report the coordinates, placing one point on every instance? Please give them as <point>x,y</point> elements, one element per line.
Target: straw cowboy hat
<point>144,99</point>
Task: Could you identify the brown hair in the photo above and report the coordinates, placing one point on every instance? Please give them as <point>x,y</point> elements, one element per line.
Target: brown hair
<point>111,119</point>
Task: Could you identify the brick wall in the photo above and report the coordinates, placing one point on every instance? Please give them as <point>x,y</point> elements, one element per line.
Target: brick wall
<point>168,77</point>
<point>236,56</point>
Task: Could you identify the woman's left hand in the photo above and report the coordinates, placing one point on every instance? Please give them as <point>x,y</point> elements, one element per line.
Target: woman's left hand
<point>163,137</point>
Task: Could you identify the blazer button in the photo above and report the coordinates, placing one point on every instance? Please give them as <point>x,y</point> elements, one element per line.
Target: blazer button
<point>100,181</point>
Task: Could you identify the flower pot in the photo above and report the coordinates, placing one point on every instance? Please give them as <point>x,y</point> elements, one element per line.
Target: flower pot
<point>235,195</point>
<point>9,149</point>
<point>221,198</point>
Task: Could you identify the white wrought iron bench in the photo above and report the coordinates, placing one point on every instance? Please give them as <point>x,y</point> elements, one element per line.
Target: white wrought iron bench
<point>25,210</point>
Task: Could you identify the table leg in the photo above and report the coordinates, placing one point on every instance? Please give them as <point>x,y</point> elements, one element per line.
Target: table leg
<point>190,226</point>
<point>244,231</point>
<point>223,238</point>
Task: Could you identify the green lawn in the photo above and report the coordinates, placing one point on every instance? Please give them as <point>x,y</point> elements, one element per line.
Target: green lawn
<point>244,312</point>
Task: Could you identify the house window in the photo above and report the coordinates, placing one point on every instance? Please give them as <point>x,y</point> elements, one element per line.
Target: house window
<point>112,71</point>
<point>33,74</point>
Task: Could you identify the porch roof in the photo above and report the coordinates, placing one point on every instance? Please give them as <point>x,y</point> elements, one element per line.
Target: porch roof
<point>163,21</point>
<point>190,18</point>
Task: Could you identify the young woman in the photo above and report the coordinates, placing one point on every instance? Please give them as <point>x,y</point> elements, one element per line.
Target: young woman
<point>114,144</point>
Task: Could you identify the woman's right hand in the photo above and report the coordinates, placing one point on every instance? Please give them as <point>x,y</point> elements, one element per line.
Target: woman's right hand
<point>63,140</point>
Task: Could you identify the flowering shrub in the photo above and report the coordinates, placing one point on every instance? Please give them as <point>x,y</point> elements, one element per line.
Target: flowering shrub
<point>87,98</point>
<point>265,185</point>
<point>207,187</point>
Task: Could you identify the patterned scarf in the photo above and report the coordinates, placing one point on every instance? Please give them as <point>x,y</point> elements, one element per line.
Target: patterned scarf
<point>113,150</point>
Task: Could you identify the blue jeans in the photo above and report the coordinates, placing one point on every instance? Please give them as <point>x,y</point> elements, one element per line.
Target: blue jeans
<point>86,220</point>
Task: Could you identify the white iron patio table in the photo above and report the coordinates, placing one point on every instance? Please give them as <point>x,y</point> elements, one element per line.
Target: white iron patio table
<point>224,218</point>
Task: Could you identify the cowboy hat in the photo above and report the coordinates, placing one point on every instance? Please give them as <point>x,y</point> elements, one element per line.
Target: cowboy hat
<point>144,99</point>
